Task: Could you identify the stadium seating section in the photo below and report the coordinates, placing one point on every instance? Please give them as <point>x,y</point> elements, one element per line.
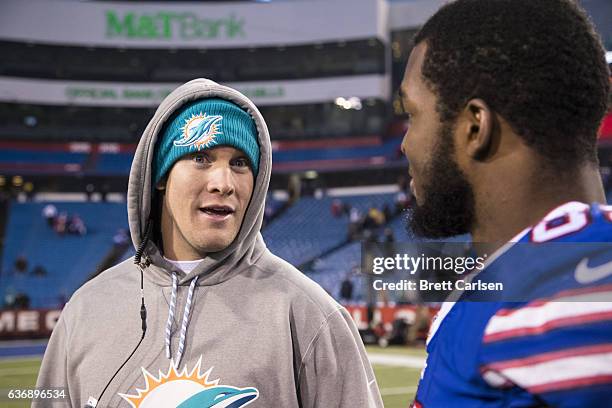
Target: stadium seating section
<point>305,234</point>
<point>308,229</point>
<point>68,259</point>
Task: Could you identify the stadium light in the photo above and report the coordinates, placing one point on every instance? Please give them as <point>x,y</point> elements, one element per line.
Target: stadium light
<point>30,121</point>
<point>351,103</point>
<point>17,181</point>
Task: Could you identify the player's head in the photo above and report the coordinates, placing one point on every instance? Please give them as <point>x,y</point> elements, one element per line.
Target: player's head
<point>485,69</point>
<point>205,164</point>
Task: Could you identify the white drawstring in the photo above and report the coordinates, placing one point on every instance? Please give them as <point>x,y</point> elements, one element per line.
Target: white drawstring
<point>181,347</point>
<point>186,313</point>
<point>171,313</point>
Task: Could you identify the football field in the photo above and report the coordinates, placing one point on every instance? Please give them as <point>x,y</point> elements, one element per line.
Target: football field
<point>397,371</point>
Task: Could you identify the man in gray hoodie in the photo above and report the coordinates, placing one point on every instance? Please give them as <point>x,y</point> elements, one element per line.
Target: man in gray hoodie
<point>223,322</point>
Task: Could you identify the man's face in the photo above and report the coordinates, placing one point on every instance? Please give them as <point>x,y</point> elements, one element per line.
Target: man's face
<point>444,197</point>
<point>207,195</point>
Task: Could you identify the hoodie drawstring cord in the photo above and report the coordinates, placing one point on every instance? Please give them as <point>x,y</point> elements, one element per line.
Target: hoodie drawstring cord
<point>171,313</point>
<point>186,313</point>
<point>181,347</point>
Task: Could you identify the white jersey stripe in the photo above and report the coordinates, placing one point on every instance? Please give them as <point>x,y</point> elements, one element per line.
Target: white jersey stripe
<point>562,373</point>
<point>538,317</point>
<point>550,356</point>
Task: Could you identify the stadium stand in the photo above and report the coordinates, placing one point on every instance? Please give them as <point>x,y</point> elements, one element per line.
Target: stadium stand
<point>319,230</point>
<point>329,271</point>
<point>68,259</point>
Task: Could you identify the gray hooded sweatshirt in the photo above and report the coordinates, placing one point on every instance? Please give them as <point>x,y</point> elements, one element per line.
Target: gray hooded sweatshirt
<point>255,331</point>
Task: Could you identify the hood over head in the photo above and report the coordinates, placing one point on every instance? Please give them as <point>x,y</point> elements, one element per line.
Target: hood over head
<point>248,245</point>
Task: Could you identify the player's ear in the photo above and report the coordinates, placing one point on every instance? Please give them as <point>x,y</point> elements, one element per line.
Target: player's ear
<point>477,123</point>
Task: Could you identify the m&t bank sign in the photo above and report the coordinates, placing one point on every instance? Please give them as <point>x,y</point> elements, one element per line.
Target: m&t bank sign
<point>171,26</point>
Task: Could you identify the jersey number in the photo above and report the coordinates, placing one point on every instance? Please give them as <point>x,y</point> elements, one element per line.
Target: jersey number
<point>558,227</point>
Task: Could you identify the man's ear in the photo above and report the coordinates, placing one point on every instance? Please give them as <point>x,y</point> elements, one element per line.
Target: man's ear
<point>161,184</point>
<point>478,124</point>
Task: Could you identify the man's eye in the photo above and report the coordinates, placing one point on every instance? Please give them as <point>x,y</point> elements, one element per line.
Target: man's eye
<point>241,162</point>
<point>200,158</point>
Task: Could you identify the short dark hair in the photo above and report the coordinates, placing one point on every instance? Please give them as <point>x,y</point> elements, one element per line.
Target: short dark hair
<point>537,63</point>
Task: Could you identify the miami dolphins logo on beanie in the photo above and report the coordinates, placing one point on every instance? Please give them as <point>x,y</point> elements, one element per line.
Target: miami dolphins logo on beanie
<point>185,389</point>
<point>200,131</point>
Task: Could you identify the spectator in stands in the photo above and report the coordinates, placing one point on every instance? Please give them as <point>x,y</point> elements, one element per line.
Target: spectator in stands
<point>61,222</point>
<point>403,184</point>
<point>354,216</point>
<point>89,190</point>
<point>49,213</point>
<point>22,301</point>
<point>104,190</point>
<point>121,238</point>
<point>346,289</point>
<point>216,296</point>
<point>9,299</point>
<point>376,216</point>
<point>419,325</point>
<point>401,201</point>
<point>337,207</point>
<point>355,225</point>
<point>21,264</point>
<point>389,237</point>
<point>76,225</point>
<point>369,220</point>
<point>39,271</point>
<point>399,331</point>
<point>369,236</point>
<point>387,212</point>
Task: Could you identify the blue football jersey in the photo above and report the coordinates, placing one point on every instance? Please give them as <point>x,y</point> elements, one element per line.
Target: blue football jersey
<point>548,341</point>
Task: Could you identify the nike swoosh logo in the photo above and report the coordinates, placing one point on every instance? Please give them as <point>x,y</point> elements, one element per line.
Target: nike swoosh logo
<point>585,275</point>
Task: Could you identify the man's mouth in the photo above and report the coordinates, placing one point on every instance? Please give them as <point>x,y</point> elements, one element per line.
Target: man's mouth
<point>217,212</point>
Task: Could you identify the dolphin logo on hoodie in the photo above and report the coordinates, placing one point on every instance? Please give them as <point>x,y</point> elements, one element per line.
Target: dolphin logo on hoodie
<point>221,397</point>
<point>188,389</point>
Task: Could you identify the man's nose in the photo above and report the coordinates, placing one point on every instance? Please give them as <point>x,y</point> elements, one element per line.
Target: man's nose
<point>221,181</point>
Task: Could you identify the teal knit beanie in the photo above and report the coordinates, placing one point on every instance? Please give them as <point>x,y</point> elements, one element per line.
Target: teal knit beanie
<point>204,124</point>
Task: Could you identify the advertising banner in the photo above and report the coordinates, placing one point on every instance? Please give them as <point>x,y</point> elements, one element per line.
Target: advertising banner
<point>91,93</point>
<point>191,25</point>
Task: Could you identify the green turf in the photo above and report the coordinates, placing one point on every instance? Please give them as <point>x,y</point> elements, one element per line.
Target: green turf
<point>397,384</point>
<point>17,375</point>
